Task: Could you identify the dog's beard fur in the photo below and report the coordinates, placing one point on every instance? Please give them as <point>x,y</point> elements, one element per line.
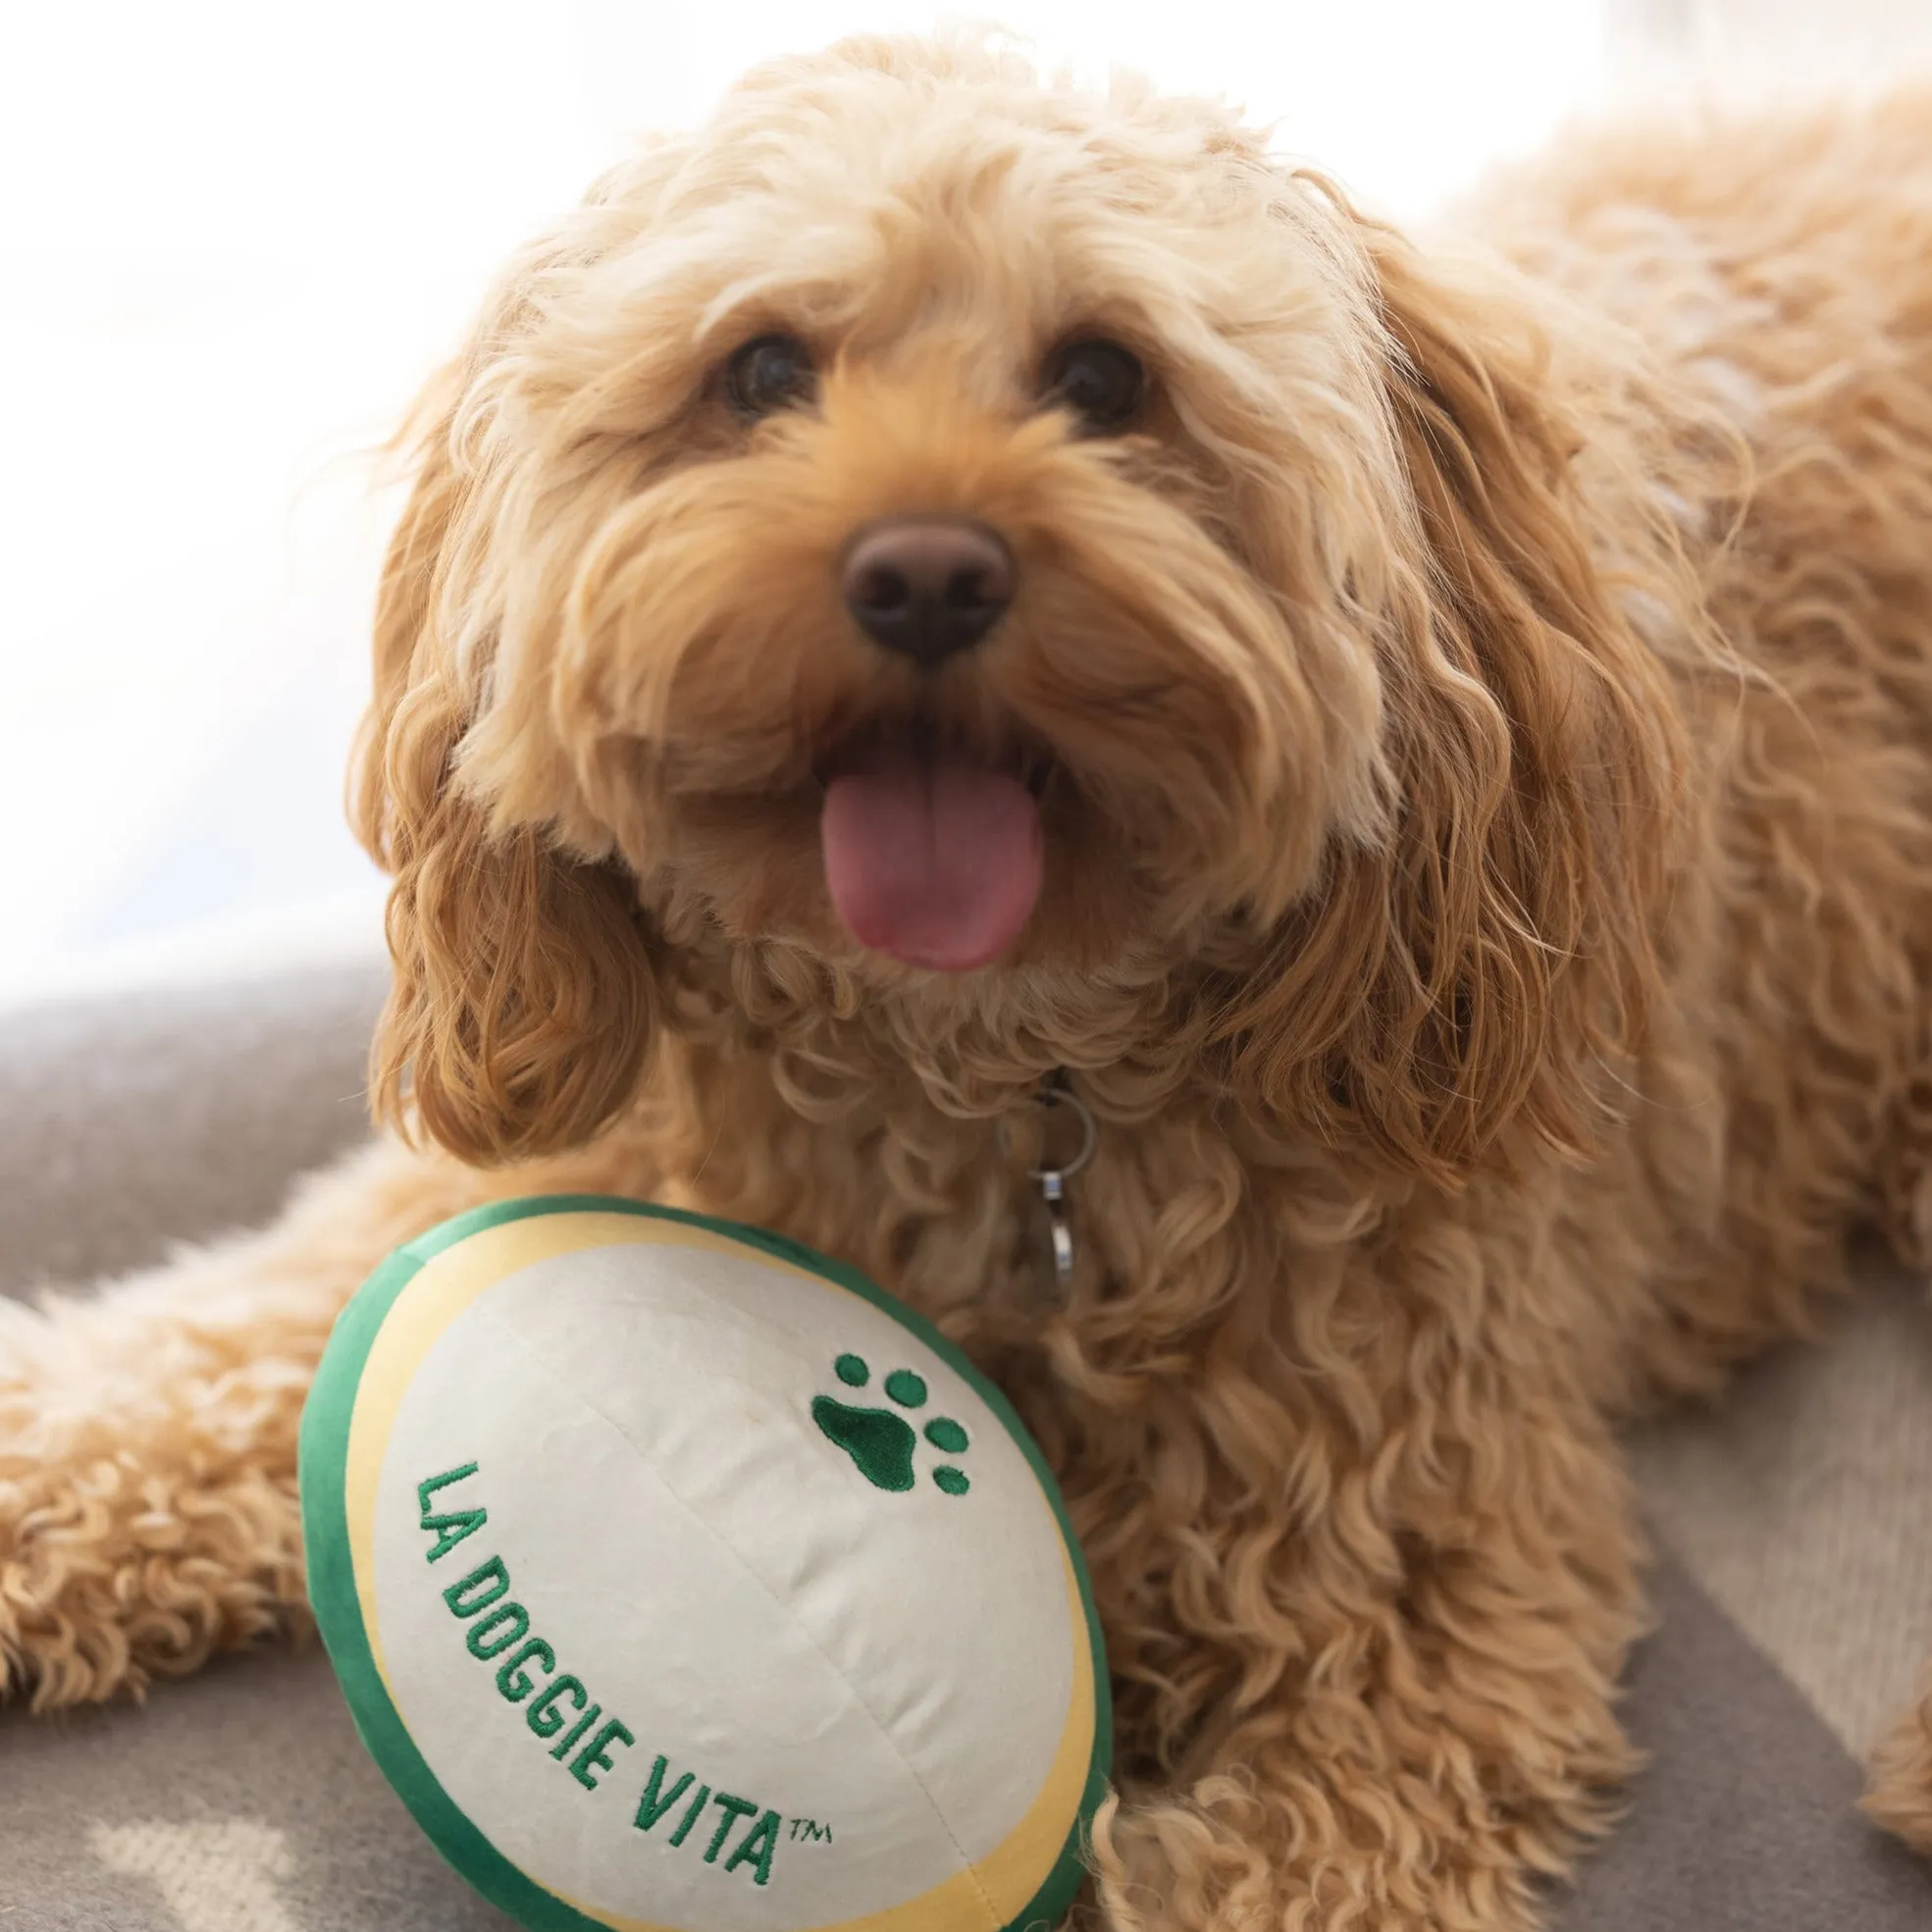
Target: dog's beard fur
<point>1356,782</point>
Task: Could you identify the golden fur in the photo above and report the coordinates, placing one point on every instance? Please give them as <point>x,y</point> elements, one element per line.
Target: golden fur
<point>1489,706</point>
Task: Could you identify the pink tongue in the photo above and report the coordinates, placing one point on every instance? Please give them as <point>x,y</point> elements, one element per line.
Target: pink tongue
<point>935,863</point>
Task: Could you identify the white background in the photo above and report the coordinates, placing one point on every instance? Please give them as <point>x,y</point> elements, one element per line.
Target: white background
<point>236,234</point>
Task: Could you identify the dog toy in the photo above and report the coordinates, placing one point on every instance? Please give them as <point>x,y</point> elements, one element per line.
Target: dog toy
<point>678,1578</point>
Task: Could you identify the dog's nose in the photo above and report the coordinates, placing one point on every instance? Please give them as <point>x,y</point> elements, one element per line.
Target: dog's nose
<point>927,586</point>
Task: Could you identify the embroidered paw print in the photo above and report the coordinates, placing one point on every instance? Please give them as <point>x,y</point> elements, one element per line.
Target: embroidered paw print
<point>881,1443</point>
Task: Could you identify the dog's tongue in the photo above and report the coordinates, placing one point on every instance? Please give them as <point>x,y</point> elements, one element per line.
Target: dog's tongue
<point>933,862</point>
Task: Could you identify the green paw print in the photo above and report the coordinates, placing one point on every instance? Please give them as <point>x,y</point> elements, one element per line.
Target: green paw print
<point>880,1443</point>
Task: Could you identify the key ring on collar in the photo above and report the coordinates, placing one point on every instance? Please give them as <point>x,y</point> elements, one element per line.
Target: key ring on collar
<point>1053,1180</point>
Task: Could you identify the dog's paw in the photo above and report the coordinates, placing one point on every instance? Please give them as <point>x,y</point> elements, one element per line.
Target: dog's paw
<point>1898,1794</point>
<point>143,1524</point>
<point>111,1575</point>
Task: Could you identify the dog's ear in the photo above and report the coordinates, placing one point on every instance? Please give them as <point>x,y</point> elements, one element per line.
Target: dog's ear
<point>1477,974</point>
<point>523,997</point>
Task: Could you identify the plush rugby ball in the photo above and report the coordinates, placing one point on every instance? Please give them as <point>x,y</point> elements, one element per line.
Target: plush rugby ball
<point>678,1578</point>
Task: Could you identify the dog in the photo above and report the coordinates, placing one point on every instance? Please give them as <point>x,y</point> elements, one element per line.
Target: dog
<point>943,602</point>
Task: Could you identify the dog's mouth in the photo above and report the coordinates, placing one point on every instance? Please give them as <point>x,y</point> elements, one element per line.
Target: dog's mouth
<point>933,855</point>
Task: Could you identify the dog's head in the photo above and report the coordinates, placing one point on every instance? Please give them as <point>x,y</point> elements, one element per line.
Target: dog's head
<point>968,543</point>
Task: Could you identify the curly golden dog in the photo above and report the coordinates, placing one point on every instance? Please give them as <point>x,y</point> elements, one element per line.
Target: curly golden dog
<point>942,587</point>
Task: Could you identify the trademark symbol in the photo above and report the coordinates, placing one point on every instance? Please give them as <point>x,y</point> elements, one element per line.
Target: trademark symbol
<point>809,1830</point>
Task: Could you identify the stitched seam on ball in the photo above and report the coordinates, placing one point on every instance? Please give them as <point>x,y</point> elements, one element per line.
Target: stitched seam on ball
<point>648,1462</point>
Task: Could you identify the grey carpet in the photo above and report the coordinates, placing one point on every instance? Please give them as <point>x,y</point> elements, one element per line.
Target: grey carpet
<point>130,1126</point>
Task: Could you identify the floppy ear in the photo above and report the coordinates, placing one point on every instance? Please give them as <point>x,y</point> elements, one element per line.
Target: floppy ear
<point>523,997</point>
<point>1470,978</point>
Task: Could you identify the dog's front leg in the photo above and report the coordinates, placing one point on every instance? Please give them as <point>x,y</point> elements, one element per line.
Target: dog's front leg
<point>1439,1735</point>
<point>1900,1793</point>
<point>148,1512</point>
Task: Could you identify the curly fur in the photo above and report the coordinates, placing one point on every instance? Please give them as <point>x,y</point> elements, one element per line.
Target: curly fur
<point>1489,715</point>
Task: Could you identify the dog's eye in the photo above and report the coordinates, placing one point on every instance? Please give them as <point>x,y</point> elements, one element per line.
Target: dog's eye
<point>1100,383</point>
<point>772,372</point>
